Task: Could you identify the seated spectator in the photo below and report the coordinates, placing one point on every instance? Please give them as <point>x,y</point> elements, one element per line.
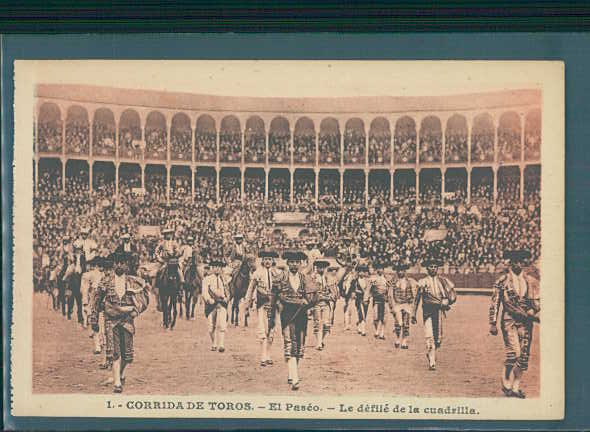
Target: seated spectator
<point>77,137</point>
<point>254,147</point>
<point>156,143</point>
<point>278,147</point>
<point>181,144</point>
<point>304,148</point>
<point>230,146</point>
<point>104,139</point>
<point>456,147</point>
<point>508,145</point>
<point>482,147</point>
<point>206,146</point>
<point>404,147</point>
<point>50,137</point>
<point>354,146</point>
<point>532,145</point>
<point>380,148</point>
<point>430,146</point>
<point>329,148</point>
<point>130,145</point>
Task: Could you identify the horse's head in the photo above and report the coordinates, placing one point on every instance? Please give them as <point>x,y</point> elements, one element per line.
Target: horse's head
<point>172,269</point>
<point>247,265</point>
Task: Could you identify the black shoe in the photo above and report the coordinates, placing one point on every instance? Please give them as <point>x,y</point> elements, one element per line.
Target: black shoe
<point>289,381</point>
<point>518,394</point>
<point>221,349</point>
<point>295,386</point>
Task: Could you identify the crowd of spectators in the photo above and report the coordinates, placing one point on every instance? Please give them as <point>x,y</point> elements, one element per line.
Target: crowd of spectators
<point>380,148</point>
<point>482,146</point>
<point>456,147</point>
<point>430,145</point>
<point>430,192</point>
<point>329,148</point>
<point>130,145</point>
<point>254,147</point>
<point>156,143</point>
<point>180,187</point>
<point>205,146</point>
<point>104,139</point>
<point>254,189</point>
<point>404,145</point>
<point>278,189</point>
<point>229,189</point>
<point>49,136</point>
<point>279,150</point>
<point>304,148</point>
<point>508,145</point>
<point>378,194</point>
<point>303,191</point>
<point>532,145</point>
<point>477,234</point>
<point>77,137</point>
<point>230,146</point>
<point>181,141</point>
<point>354,146</point>
<point>354,190</point>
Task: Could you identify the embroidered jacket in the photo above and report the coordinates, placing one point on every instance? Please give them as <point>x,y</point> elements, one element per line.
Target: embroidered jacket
<point>514,306</point>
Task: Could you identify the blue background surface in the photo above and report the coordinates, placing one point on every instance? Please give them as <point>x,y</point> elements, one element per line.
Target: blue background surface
<point>573,48</point>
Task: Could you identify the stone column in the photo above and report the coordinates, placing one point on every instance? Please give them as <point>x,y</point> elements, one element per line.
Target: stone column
<point>266,171</point>
<point>117,178</point>
<point>168,180</point>
<point>521,171</point>
<point>217,174</point>
<point>366,171</point>
<point>391,186</point>
<point>90,175</point>
<point>469,185</point>
<point>417,186</point>
<point>242,197</point>
<point>291,178</point>
<point>63,174</point>
<point>442,185</point>
<point>495,177</point>
<point>341,172</point>
<point>316,172</point>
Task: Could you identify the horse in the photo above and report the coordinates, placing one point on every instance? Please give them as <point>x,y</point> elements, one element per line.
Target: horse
<point>238,290</point>
<point>168,284</point>
<point>193,286</point>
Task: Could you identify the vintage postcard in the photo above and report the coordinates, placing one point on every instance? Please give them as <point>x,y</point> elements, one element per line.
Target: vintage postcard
<point>289,239</point>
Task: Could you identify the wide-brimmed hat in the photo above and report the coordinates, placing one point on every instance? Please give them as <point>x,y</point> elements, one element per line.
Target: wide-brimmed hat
<point>294,255</point>
<point>167,230</point>
<point>362,268</point>
<point>125,236</point>
<point>85,230</point>
<point>238,236</point>
<point>517,255</point>
<point>321,264</point>
<point>95,261</point>
<point>217,262</point>
<point>267,253</point>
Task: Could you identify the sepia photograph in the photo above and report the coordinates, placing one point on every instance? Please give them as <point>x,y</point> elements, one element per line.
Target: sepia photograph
<point>306,238</point>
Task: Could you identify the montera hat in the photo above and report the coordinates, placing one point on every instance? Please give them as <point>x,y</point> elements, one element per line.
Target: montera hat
<point>517,255</point>
<point>294,255</point>
<point>321,264</point>
<point>267,253</point>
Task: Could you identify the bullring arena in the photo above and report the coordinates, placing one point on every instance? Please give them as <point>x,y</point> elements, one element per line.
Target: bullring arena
<point>281,171</point>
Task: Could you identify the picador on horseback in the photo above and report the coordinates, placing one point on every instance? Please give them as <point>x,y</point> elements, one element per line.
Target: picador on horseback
<point>169,278</point>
